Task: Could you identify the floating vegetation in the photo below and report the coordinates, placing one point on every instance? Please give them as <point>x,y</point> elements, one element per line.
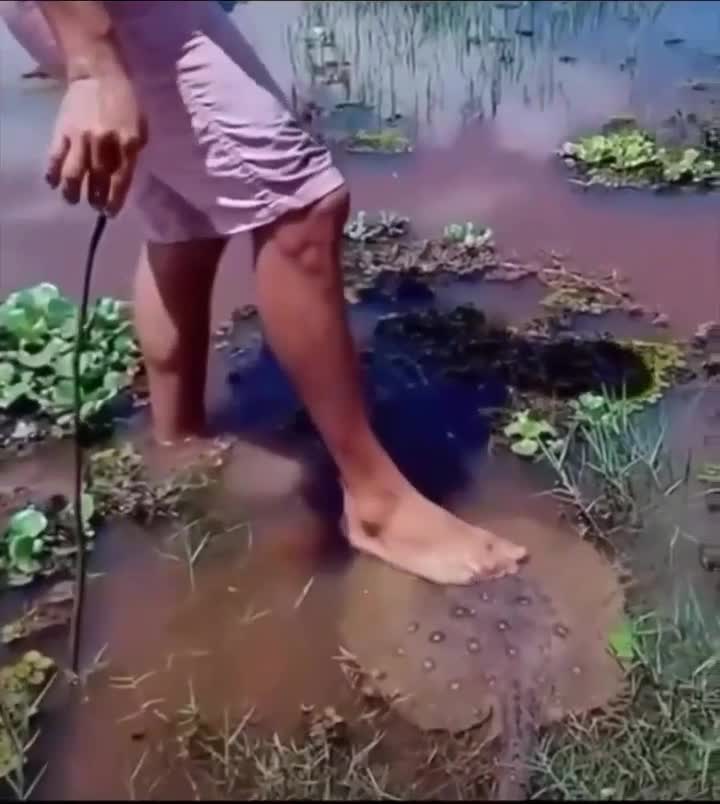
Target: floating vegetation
<point>631,157</point>
<point>38,540</point>
<point>467,235</point>
<point>385,141</point>
<point>22,688</point>
<point>528,434</point>
<point>387,226</point>
<point>37,338</point>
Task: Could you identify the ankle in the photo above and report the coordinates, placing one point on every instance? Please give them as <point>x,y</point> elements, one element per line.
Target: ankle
<point>168,435</point>
<point>374,501</point>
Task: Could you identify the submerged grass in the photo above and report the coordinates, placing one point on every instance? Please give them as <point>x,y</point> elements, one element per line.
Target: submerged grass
<point>663,743</point>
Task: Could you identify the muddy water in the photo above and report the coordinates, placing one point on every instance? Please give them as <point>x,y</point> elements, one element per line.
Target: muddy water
<point>263,617</point>
<point>485,119</point>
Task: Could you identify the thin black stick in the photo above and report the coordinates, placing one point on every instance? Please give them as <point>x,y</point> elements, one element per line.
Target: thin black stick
<point>80,537</point>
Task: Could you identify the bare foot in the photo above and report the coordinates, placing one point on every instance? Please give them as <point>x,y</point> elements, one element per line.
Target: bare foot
<point>417,536</point>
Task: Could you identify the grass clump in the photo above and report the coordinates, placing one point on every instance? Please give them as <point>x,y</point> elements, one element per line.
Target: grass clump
<point>323,763</point>
<point>122,486</point>
<point>663,740</point>
<point>38,327</point>
<point>608,461</point>
<point>630,156</point>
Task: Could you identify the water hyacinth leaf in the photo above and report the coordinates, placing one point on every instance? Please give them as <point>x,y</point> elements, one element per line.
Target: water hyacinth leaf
<point>87,506</point>
<point>60,311</point>
<point>526,447</point>
<point>42,358</point>
<point>7,372</point>
<point>64,393</point>
<point>622,642</point>
<point>21,550</point>
<point>41,295</point>
<point>114,381</point>
<point>29,522</point>
<point>16,321</point>
<point>12,393</point>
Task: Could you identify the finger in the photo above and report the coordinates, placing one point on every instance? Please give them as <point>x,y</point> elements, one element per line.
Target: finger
<point>105,156</point>
<point>56,157</point>
<point>119,186</point>
<point>74,170</point>
<point>98,188</point>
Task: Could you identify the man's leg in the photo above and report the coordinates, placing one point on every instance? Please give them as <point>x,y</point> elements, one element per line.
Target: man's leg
<point>300,293</point>
<point>173,288</point>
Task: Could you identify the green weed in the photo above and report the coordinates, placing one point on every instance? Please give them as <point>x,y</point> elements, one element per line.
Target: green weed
<point>662,741</point>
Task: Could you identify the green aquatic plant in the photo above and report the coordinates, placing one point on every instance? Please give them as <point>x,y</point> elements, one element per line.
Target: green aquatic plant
<point>528,434</point>
<point>385,141</point>
<point>37,337</point>
<point>467,235</point>
<point>39,542</point>
<point>22,688</point>
<point>631,156</point>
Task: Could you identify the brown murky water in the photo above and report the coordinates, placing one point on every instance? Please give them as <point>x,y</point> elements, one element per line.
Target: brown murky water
<point>263,621</point>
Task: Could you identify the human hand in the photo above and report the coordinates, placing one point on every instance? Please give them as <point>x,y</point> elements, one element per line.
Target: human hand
<point>99,132</point>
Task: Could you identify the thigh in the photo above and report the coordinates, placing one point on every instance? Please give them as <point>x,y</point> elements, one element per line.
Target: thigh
<point>166,215</point>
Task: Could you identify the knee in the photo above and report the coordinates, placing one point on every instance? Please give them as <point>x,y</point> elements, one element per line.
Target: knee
<point>311,239</point>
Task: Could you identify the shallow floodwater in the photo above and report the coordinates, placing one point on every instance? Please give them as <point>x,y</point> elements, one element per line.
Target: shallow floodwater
<point>261,623</point>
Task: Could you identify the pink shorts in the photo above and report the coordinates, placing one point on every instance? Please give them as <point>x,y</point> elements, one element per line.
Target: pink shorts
<point>225,153</point>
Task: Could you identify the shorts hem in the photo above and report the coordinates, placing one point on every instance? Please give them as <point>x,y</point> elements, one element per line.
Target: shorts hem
<point>313,190</point>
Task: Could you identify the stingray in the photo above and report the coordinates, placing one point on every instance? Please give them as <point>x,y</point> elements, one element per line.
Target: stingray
<point>500,652</point>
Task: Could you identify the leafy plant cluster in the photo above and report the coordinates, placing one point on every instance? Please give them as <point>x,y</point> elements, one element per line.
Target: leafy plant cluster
<point>39,541</point>
<point>38,327</point>
<point>631,156</point>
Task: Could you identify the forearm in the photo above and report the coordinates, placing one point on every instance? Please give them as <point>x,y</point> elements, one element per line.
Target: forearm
<point>85,33</point>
